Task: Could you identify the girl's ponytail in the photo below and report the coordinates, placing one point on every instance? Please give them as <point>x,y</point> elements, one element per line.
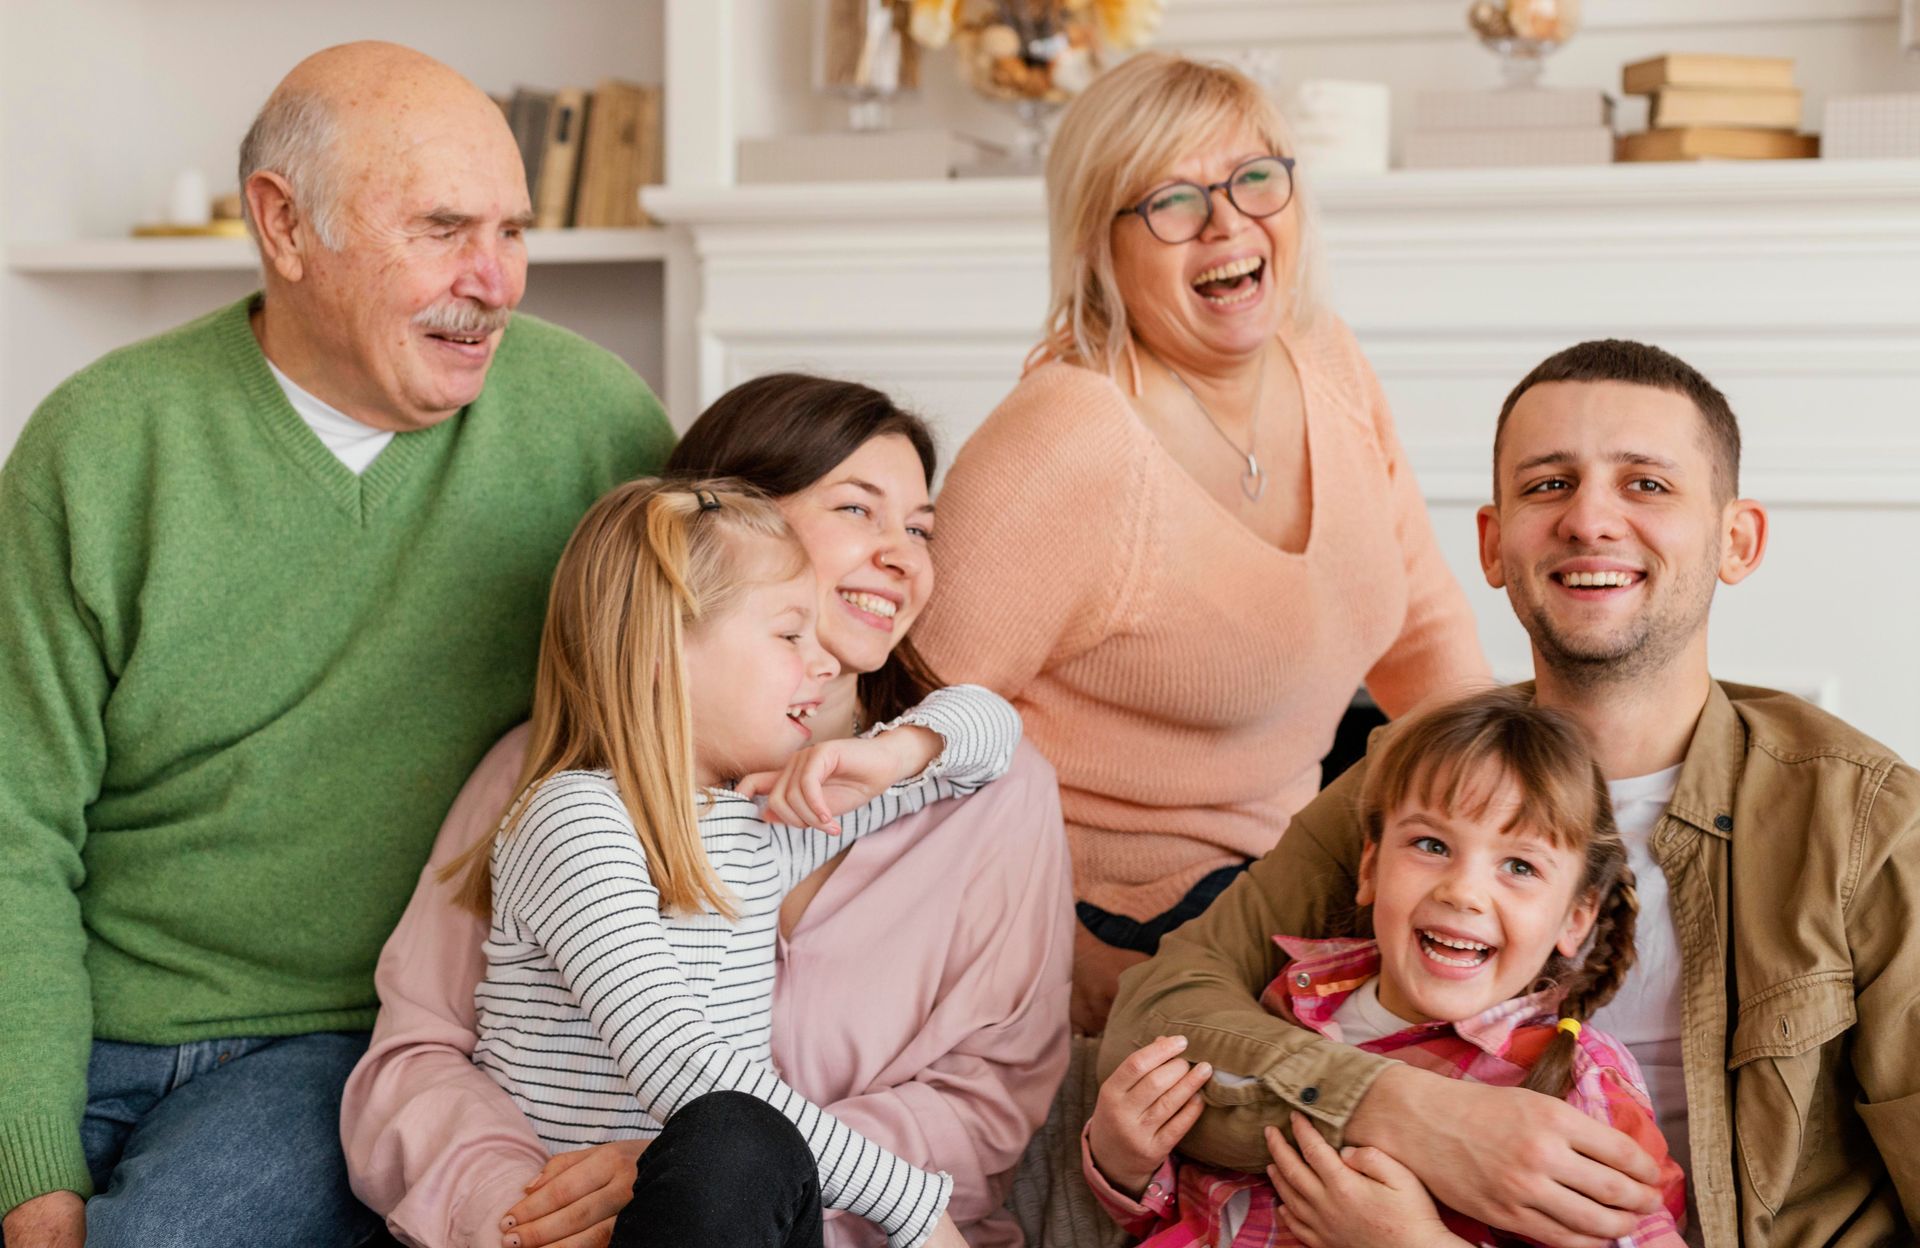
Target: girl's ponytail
<point>648,561</point>
<point>1609,957</point>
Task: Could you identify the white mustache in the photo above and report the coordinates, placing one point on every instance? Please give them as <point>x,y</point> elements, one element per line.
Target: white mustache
<point>463,319</point>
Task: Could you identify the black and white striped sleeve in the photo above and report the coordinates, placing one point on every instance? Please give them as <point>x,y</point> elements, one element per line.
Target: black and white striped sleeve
<point>979,730</point>
<point>574,878</point>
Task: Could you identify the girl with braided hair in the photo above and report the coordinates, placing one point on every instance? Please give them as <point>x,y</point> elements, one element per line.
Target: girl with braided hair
<point>1502,912</point>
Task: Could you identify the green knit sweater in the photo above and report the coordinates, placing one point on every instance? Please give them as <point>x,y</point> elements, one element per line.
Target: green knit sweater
<point>239,687</point>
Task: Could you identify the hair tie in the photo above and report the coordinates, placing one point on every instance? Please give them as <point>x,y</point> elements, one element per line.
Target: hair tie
<point>708,501</point>
<point>1571,1026</point>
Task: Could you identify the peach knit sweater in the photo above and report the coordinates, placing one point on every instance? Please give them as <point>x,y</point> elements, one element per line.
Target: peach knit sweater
<point>1184,676</point>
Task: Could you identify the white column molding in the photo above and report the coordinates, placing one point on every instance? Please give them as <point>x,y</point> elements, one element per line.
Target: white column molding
<point>699,92</point>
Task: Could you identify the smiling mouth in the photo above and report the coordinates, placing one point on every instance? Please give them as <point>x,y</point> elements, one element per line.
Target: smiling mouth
<point>464,340</point>
<point>1233,283</point>
<point>1454,951</point>
<point>872,604</point>
<point>799,715</point>
<point>1598,580</point>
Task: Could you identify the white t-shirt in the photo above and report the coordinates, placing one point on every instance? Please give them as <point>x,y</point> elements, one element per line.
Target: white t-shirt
<point>354,444</point>
<point>1362,1018</point>
<point>1645,1014</point>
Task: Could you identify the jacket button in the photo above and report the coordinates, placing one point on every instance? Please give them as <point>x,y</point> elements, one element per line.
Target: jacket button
<point>1302,980</point>
<point>1309,1095</point>
<point>1723,822</point>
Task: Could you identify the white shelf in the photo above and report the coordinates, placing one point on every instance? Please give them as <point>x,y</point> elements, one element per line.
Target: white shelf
<point>1709,185</point>
<point>184,255</point>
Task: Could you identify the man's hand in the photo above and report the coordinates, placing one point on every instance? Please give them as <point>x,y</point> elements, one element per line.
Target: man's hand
<point>1514,1159</point>
<point>575,1199</point>
<point>53,1220</point>
<point>1096,974</point>
<point>1356,1198</point>
<point>1146,1106</point>
<point>825,781</point>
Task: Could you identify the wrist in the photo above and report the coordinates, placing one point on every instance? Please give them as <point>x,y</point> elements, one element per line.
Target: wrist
<point>914,748</point>
<point>1128,1183</point>
<point>1388,1104</point>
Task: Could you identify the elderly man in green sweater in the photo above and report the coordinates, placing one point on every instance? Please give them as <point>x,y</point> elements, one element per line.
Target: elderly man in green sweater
<point>272,583</point>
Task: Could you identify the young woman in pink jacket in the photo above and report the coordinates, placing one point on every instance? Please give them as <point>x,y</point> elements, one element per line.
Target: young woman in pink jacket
<point>923,975</point>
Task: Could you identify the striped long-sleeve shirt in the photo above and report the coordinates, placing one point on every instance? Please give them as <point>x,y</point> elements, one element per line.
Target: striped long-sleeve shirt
<point>602,1016</point>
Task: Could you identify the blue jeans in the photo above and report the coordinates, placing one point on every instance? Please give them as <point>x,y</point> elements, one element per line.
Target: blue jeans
<point>221,1142</point>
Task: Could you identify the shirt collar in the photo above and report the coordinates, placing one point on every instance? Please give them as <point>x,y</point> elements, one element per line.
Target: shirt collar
<point>1321,974</point>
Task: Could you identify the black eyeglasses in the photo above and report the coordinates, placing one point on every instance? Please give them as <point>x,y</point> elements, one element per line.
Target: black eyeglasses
<point>1179,211</point>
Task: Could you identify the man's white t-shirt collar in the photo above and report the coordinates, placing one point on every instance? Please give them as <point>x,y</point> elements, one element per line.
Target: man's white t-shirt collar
<point>353,444</point>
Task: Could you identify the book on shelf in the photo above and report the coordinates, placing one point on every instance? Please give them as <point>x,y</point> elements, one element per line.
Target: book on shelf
<point>1527,145</point>
<point>528,114</point>
<point>1773,108</point>
<point>1543,108</point>
<point>1754,73</point>
<point>1872,127</point>
<point>621,154</point>
<point>1718,143</point>
<point>560,160</point>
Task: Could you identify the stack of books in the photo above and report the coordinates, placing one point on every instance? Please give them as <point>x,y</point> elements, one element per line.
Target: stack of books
<point>1717,108</point>
<point>587,153</point>
<point>1512,126</point>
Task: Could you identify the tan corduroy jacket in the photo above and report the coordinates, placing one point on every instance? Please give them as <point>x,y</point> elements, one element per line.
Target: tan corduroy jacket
<point>1792,854</point>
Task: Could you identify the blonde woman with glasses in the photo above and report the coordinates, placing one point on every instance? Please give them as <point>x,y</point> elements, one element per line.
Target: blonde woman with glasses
<point>1190,533</point>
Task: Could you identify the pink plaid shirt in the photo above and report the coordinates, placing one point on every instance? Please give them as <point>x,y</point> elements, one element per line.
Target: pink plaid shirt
<point>1184,1206</point>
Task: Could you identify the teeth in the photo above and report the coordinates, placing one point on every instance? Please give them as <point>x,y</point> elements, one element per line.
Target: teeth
<point>873,603</point>
<point>1476,953</point>
<point>1228,271</point>
<point>1451,943</point>
<point>1596,580</point>
<point>803,712</point>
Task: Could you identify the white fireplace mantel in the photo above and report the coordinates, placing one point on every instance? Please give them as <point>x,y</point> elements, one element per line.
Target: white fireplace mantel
<point>1794,285</point>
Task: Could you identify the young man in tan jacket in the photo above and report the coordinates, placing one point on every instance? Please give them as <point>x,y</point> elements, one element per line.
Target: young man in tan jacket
<point>1776,1004</point>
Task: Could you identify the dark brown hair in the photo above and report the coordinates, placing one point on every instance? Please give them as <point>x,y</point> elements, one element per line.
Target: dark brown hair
<point>1637,364</point>
<point>1438,755</point>
<point>783,432</point>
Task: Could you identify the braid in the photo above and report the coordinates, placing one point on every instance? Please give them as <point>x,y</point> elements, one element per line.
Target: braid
<point>1609,957</point>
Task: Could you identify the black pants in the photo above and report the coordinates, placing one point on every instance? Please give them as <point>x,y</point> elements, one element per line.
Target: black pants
<point>729,1170</point>
<point>1143,935</point>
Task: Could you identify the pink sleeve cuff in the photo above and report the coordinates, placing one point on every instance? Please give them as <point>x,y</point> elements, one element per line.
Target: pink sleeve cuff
<point>1154,1208</point>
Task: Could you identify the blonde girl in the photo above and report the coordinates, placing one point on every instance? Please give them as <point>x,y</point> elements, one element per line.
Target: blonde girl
<point>634,888</point>
<point>1502,912</point>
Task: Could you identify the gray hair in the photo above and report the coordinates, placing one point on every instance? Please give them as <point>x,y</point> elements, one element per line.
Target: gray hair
<point>297,137</point>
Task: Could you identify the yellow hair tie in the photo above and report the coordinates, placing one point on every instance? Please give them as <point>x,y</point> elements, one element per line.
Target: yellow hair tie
<point>1571,1026</point>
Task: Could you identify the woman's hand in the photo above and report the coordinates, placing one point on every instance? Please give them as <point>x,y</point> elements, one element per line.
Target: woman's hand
<point>1356,1198</point>
<point>575,1198</point>
<point>1146,1106</point>
<point>825,781</point>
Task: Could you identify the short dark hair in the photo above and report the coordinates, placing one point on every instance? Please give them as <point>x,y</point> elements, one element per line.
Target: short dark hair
<point>782,432</point>
<point>1637,364</point>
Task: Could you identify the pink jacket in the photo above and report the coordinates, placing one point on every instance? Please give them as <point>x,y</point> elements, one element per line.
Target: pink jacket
<point>922,1000</point>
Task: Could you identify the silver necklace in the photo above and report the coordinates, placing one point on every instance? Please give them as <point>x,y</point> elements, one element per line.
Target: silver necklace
<point>1253,482</point>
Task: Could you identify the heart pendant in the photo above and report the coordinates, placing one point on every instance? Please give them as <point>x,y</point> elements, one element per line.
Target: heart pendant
<point>1253,483</point>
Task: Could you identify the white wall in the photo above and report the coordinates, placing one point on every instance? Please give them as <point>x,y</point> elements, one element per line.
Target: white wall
<point>103,101</point>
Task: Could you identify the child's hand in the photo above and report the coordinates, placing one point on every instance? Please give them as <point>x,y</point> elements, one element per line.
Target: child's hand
<point>1356,1198</point>
<point>825,781</point>
<point>1146,1106</point>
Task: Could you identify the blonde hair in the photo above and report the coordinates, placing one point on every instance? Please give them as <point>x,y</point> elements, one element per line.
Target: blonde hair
<point>647,562</point>
<point>1115,143</point>
<point>1439,756</point>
